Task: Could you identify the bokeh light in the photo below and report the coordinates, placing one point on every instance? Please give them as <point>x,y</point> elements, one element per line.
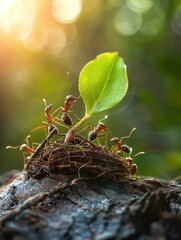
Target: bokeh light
<point>176,20</point>
<point>66,11</point>
<point>57,41</point>
<point>140,5</point>
<point>37,40</point>
<point>153,22</point>
<point>17,17</point>
<point>127,22</point>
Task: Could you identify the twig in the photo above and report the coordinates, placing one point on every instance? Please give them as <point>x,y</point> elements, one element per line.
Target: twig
<point>42,144</point>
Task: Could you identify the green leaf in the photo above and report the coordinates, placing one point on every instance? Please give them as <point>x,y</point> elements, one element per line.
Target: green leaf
<point>103,83</point>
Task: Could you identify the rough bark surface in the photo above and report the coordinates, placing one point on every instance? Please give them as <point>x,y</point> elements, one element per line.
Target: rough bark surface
<point>62,207</point>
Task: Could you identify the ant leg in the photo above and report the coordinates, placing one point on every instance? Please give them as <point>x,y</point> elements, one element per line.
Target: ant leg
<point>98,139</point>
<point>102,135</point>
<point>107,135</point>
<point>87,127</point>
<point>33,145</point>
<point>60,124</point>
<point>40,127</point>
<point>113,148</point>
<point>26,140</point>
<point>75,115</point>
<point>25,158</point>
<point>56,110</point>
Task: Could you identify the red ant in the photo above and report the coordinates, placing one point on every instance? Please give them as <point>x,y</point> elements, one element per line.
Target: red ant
<point>49,118</point>
<point>66,119</point>
<point>133,167</point>
<point>119,147</point>
<point>27,150</point>
<point>100,127</point>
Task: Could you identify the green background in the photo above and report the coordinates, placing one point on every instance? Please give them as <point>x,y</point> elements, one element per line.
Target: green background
<point>147,35</point>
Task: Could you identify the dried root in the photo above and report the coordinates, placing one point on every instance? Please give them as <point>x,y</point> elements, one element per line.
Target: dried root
<point>80,158</point>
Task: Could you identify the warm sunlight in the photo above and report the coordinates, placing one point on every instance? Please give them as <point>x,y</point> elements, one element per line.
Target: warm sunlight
<point>17,17</point>
<point>66,11</point>
<point>21,20</point>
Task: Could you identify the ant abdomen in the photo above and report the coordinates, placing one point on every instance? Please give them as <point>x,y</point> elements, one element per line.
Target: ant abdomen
<point>134,169</point>
<point>92,135</point>
<point>66,119</point>
<point>126,149</point>
<point>51,128</point>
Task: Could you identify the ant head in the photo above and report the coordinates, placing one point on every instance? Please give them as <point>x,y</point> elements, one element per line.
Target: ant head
<point>129,160</point>
<point>70,98</point>
<point>115,139</point>
<point>101,125</point>
<point>48,108</point>
<point>23,147</point>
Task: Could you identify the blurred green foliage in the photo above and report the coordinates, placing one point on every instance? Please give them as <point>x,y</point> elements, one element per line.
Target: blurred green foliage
<point>34,66</point>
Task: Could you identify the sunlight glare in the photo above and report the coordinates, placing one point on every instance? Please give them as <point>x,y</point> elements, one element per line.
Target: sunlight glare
<point>56,41</point>
<point>66,11</point>
<point>17,17</point>
<point>37,40</point>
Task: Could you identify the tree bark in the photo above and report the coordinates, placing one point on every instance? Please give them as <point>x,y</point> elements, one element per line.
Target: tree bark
<point>66,207</point>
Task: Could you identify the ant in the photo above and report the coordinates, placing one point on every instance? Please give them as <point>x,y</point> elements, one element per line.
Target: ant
<point>100,127</point>
<point>66,119</point>
<point>133,167</point>
<point>27,150</point>
<point>49,118</point>
<point>122,148</point>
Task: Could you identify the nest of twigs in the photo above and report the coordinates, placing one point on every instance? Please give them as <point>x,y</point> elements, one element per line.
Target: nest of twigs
<point>81,158</point>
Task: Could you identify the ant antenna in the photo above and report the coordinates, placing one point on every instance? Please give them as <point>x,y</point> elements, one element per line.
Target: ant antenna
<point>26,139</point>
<point>128,135</point>
<point>45,102</point>
<point>69,80</point>
<point>106,116</point>
<point>11,147</point>
<point>140,153</point>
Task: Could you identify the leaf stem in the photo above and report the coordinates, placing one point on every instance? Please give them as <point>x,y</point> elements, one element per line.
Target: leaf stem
<point>77,125</point>
<point>70,136</point>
